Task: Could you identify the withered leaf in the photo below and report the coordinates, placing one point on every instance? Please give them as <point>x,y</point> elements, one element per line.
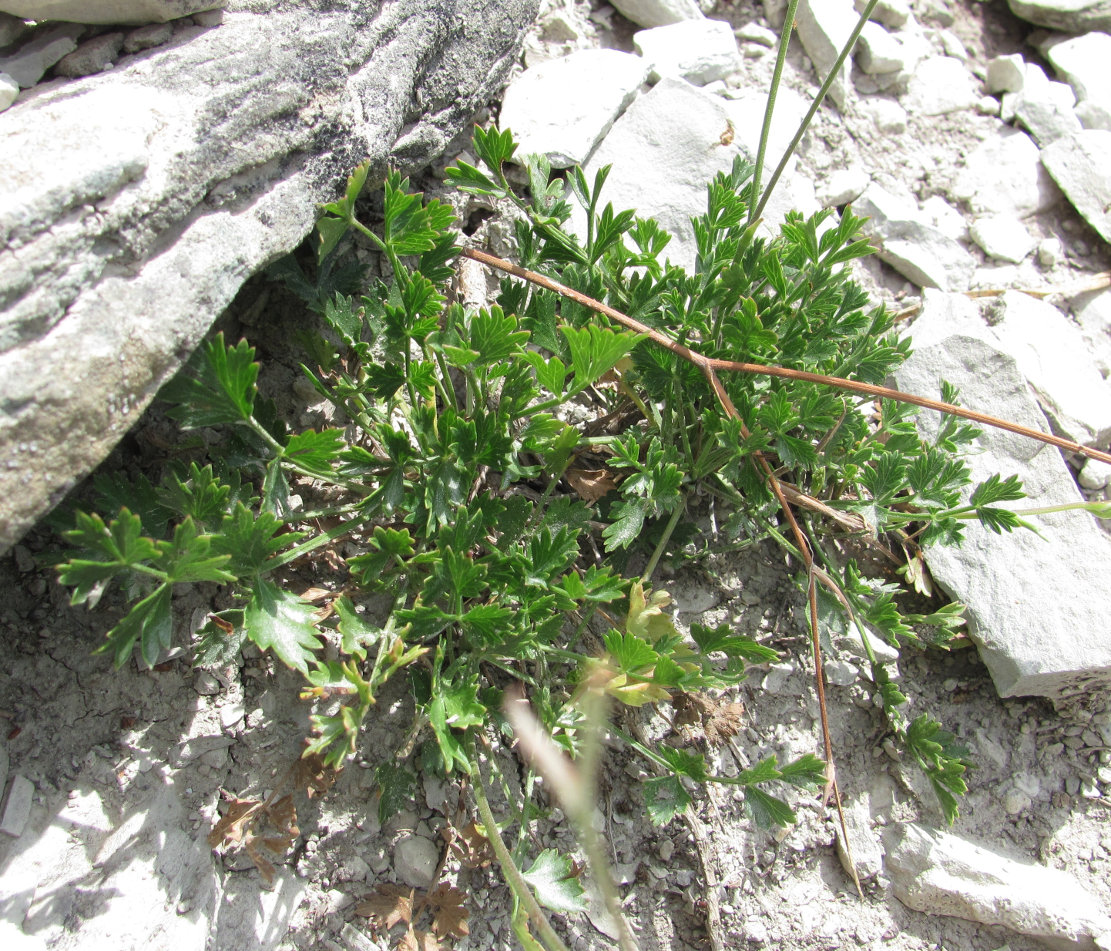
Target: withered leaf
<point>232,824</point>
<point>590,484</point>
<point>283,815</point>
<point>262,863</point>
<point>418,941</point>
<point>449,917</point>
<point>724,723</point>
<point>313,776</point>
<point>388,904</point>
<point>471,847</point>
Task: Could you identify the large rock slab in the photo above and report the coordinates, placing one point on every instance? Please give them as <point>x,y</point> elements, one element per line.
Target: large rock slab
<point>107,11</point>
<point>1004,176</point>
<point>135,203</point>
<point>824,27</point>
<point>1072,16</point>
<point>1037,603</point>
<point>1080,165</point>
<point>943,874</point>
<point>562,108</point>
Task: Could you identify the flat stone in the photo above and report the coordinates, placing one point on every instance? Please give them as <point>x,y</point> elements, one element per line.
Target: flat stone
<point>1081,61</point>
<point>891,13</point>
<point>415,859</point>
<point>698,51</point>
<point>1006,73</point>
<point>1095,475</point>
<point>16,807</point>
<point>939,85</point>
<point>877,51</point>
<point>916,249</point>
<point>107,11</point>
<point>867,851</point>
<point>146,37</point>
<point>824,26</point>
<point>1072,16</point>
<point>943,874</point>
<point>1037,604</point>
<point>843,186</point>
<point>887,115</point>
<point>1003,237</point>
<point>1081,165</point>
<point>1093,314</point>
<point>92,56</point>
<point>29,62</point>
<point>1044,108</point>
<point>562,108</point>
<point>658,12</point>
<point>1005,176</point>
<point>760,35</point>
<point>1094,115</point>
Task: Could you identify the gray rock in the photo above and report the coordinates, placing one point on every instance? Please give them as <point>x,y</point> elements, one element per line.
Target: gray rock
<point>891,13</point>
<point>1094,115</point>
<point>29,62</point>
<point>1072,16</point>
<point>562,108</point>
<point>9,91</point>
<point>146,37</point>
<point>107,11</point>
<point>698,51</point>
<point>1093,314</point>
<point>887,115</point>
<point>1003,237</point>
<point>1005,176</point>
<point>1082,62</point>
<point>824,26</point>
<point>11,29</point>
<point>867,851</point>
<point>760,35</point>
<point>15,809</point>
<point>1081,165</point>
<point>843,186</point>
<point>658,12</point>
<point>940,84</point>
<point>916,249</point>
<point>1095,475</point>
<point>1043,108</point>
<point>877,51</point>
<point>1037,603</point>
<point>1006,73</point>
<point>415,859</point>
<point>943,874</point>
<point>141,203</point>
<point>92,56</point>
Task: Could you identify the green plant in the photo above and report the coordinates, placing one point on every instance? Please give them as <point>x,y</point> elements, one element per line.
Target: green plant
<point>503,472</point>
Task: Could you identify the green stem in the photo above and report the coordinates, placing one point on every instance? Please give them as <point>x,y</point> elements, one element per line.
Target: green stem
<point>805,124</point>
<point>658,553</point>
<point>512,873</point>
<point>304,548</point>
<point>769,108</point>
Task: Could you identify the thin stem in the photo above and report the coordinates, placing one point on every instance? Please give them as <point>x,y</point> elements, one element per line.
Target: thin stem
<point>805,124</point>
<point>512,873</point>
<point>769,109</point>
<point>658,553</point>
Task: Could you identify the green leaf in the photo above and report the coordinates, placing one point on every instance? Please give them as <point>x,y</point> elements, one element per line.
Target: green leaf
<point>684,763</point>
<point>251,540</point>
<point>665,798</point>
<point>118,545</point>
<point>356,634</point>
<point>150,622</point>
<point>316,452</point>
<point>595,351</point>
<point>555,880</point>
<point>763,772</point>
<point>767,811</point>
<point>627,524</point>
<point>397,786</point>
<point>630,653</point>
<point>189,557</point>
<point>722,638</point>
<point>494,147</point>
<point>279,621</point>
<point>217,386</point>
<point>806,771</point>
<point>329,232</point>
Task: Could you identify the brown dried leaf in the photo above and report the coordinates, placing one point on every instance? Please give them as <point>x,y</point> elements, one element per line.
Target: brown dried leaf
<point>313,776</point>
<point>590,484</point>
<point>254,853</point>
<point>724,723</point>
<point>707,718</point>
<point>283,815</point>
<point>449,917</point>
<point>471,847</point>
<point>389,904</point>
<point>418,941</point>
<point>233,823</point>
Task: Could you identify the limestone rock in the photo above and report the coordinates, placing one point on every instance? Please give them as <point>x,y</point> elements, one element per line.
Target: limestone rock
<point>940,84</point>
<point>891,13</point>
<point>1079,165</point>
<point>92,56</point>
<point>415,859</point>
<point>1043,108</point>
<point>1093,314</point>
<point>1037,603</point>
<point>1003,237</point>
<point>1006,73</point>
<point>11,29</point>
<point>107,11</point>
<point>698,51</point>
<point>562,108</point>
<point>877,51</point>
<point>1072,16</point>
<point>1005,176</point>
<point>651,13</point>
<point>28,62</point>
<point>824,26</point>
<point>943,874</point>
<point>134,204</point>
<point>145,37</point>
<point>9,91</point>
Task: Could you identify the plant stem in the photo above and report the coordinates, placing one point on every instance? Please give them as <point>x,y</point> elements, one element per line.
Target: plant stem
<point>668,529</point>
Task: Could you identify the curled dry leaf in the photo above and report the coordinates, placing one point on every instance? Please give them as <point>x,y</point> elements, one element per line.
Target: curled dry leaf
<point>590,484</point>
